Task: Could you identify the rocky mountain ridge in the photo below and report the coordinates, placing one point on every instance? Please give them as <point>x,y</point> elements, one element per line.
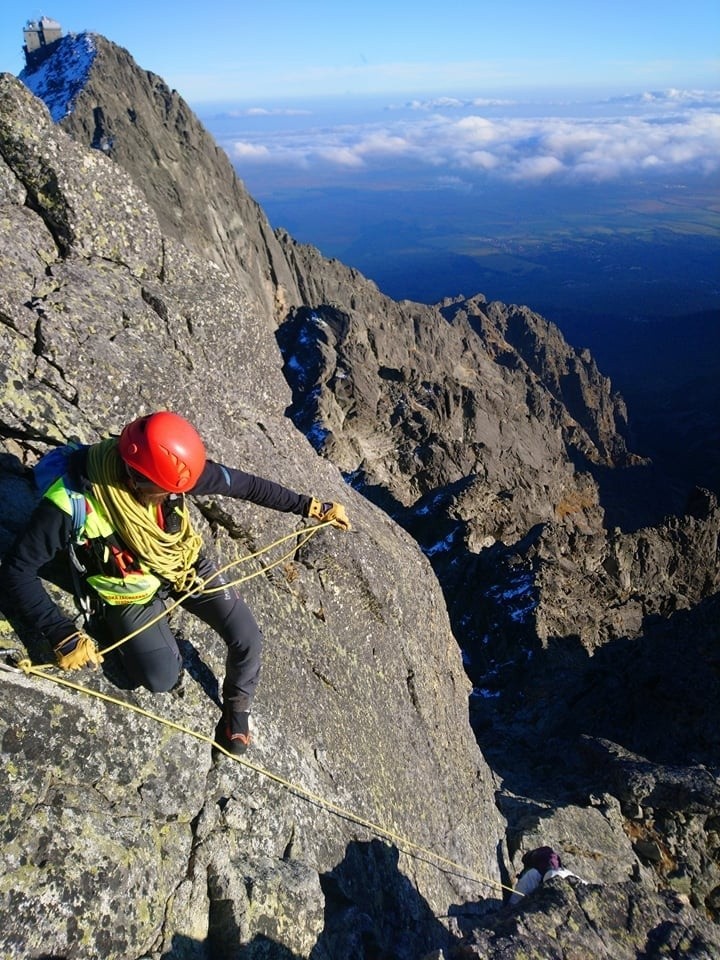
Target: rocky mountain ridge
<point>477,428</point>
<point>121,835</point>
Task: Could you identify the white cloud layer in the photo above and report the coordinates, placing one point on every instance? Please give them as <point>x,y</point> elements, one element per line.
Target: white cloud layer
<point>672,132</point>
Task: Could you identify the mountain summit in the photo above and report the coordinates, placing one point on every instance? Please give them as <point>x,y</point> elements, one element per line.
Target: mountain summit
<point>466,439</point>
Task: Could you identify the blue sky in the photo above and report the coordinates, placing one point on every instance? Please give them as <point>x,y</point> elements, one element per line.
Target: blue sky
<point>247,50</point>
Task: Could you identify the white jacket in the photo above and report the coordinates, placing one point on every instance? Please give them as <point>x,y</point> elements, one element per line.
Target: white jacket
<point>531,880</point>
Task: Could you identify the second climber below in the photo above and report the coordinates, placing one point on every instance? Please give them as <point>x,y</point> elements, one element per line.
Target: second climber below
<point>138,549</point>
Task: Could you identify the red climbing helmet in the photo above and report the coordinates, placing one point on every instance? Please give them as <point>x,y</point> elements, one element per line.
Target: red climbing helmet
<point>166,449</point>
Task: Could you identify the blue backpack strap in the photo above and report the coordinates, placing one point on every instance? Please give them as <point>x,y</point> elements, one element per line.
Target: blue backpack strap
<point>77,567</point>
<point>79,508</point>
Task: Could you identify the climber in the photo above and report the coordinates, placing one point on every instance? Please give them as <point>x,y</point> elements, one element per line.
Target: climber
<point>137,550</point>
<point>539,865</point>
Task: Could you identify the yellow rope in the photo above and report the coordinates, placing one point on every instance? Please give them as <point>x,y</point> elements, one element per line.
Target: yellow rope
<point>412,849</point>
<point>169,555</point>
<point>201,585</point>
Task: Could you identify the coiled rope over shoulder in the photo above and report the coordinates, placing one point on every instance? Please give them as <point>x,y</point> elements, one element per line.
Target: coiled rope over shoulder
<point>169,555</point>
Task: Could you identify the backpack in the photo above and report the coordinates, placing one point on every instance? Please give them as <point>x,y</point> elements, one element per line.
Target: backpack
<point>542,859</point>
<point>53,465</point>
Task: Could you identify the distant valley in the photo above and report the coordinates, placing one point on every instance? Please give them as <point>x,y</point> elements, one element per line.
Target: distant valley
<point>623,257</point>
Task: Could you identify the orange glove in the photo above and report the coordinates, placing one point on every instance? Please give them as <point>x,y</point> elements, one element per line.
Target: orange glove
<point>333,513</point>
<point>77,651</point>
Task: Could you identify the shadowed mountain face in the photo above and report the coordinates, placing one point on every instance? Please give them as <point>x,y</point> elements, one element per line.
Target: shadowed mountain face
<point>188,181</point>
<point>147,277</point>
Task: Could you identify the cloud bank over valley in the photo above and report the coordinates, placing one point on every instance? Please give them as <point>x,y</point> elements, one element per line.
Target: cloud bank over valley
<point>450,142</point>
<point>584,211</point>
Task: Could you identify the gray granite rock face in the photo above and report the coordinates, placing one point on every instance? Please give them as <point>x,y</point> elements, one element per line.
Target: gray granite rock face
<point>592,649</point>
<point>571,919</point>
<point>120,836</point>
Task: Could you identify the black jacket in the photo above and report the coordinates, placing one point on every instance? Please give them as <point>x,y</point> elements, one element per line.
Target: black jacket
<point>50,529</point>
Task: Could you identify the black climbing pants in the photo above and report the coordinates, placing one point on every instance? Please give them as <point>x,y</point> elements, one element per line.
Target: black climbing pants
<point>152,658</point>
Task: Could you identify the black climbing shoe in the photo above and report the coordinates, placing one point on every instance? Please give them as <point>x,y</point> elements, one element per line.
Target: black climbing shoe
<point>233,731</point>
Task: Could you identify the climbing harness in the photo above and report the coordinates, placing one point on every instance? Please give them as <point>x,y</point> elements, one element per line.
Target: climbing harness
<point>405,845</point>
